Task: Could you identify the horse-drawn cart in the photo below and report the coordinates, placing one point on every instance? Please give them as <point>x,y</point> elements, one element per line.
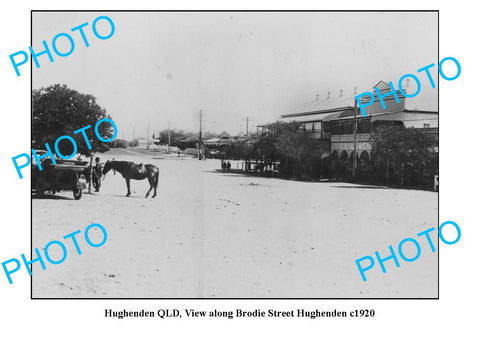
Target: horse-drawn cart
<point>65,175</point>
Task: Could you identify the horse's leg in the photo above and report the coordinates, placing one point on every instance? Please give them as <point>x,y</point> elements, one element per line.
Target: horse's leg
<point>128,186</point>
<point>148,192</point>
<point>151,180</point>
<point>155,184</point>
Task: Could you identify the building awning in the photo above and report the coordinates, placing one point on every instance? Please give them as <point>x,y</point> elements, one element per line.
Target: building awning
<point>306,119</point>
<point>404,115</point>
<point>347,114</point>
<point>213,140</point>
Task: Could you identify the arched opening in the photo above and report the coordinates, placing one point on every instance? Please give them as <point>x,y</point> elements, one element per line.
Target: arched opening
<point>334,164</point>
<point>343,164</point>
<point>350,164</point>
<point>364,165</point>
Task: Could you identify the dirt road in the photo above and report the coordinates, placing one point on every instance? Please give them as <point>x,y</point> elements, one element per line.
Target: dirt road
<point>209,234</point>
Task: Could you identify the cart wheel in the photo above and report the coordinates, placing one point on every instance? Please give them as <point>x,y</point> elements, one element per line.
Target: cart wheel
<point>77,193</point>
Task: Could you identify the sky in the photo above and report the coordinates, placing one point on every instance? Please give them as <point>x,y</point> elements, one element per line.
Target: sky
<point>162,68</point>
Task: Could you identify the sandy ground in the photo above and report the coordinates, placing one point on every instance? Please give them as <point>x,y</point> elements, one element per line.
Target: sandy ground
<point>209,234</point>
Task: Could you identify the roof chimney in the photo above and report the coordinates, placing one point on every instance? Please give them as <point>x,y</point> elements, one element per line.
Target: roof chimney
<point>406,85</point>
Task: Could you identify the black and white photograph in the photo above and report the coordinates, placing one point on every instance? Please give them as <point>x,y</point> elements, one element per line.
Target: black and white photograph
<point>226,154</point>
<point>213,170</point>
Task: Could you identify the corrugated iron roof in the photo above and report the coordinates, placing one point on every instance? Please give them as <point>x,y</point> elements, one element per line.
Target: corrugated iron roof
<point>308,118</point>
<point>319,106</point>
<point>335,105</point>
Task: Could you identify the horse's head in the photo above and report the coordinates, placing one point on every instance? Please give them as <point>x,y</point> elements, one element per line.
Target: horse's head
<point>106,168</point>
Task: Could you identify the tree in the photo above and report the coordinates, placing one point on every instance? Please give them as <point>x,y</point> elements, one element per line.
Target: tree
<point>58,111</point>
<point>238,150</point>
<point>176,137</point>
<point>402,147</point>
<point>264,146</point>
<point>118,143</point>
<point>299,148</point>
<point>296,149</point>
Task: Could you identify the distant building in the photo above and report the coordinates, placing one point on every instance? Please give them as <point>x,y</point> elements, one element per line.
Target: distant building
<point>212,142</point>
<point>222,139</point>
<point>225,138</point>
<point>147,144</point>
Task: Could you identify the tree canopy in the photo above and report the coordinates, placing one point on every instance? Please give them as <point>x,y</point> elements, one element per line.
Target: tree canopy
<point>176,136</point>
<point>58,110</point>
<point>288,143</point>
<point>414,147</point>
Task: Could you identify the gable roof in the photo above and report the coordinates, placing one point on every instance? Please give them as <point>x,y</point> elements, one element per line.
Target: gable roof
<point>341,107</point>
<point>381,85</point>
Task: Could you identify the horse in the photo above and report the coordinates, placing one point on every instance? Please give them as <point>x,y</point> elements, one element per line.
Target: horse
<point>130,170</point>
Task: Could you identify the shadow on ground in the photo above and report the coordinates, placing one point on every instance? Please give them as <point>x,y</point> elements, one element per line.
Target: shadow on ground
<point>52,197</point>
<point>360,187</point>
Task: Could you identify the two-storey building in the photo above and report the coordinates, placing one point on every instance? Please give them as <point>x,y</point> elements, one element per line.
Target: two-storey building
<point>333,119</point>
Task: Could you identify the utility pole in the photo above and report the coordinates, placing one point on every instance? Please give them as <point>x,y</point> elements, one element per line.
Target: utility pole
<point>248,119</point>
<point>133,139</point>
<point>168,150</point>
<point>354,174</point>
<point>148,134</point>
<point>200,146</point>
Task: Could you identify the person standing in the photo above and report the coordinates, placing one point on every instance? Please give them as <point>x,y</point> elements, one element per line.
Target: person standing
<point>97,174</point>
<point>228,166</point>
